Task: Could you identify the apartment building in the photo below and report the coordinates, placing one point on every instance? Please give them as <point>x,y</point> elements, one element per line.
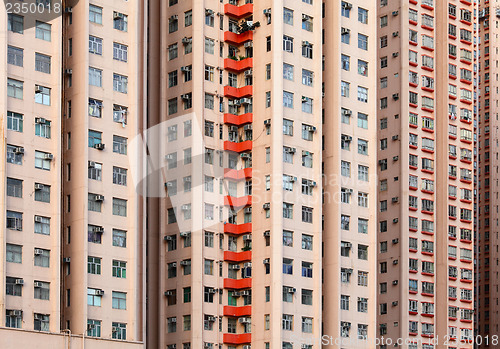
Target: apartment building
<point>425,288</point>
<point>237,112</point>
<point>486,204</point>
<point>349,173</point>
<point>74,247</point>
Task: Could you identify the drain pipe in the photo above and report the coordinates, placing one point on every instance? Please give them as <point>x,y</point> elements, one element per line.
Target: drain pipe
<point>68,331</point>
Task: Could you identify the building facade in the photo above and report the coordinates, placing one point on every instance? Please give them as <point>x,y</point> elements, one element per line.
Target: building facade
<point>74,245</point>
<point>486,205</point>
<point>349,173</point>
<point>425,198</point>
<point>238,108</point>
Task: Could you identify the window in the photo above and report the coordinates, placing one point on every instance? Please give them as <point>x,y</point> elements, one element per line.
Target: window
<point>14,187</point>
<point>119,175</point>
<point>120,83</point>
<point>287,127</point>
<point>14,253</point>
<point>288,71</point>
<point>120,21</point>
<point>362,94</point>
<point>42,225</point>
<point>362,120</point>
<point>42,31</point>
<point>119,145</point>
<point>13,288</point>
<point>287,43</point>
<point>287,99</point>
<point>362,147</point>
<point>42,290</point>
<point>287,322</point>
<point>362,226</point>
<point>119,300</point>
<point>42,160</point>
<point>307,105</point>
<point>307,50</point>
<point>345,36</point>
<point>120,52</point>
<point>95,45</point>
<point>119,330</point>
<point>15,23</point>
<point>288,16</point>
<point>344,89</point>
<point>209,267</point>
<point>363,42</point>
<point>345,168</point>
<point>119,207</point>
<point>42,258</point>
<point>42,63</point>
<point>119,269</point>
<point>95,14</point>
<point>42,192</point>
<point>346,9</point>
<point>209,46</point>
<point>42,127</point>
<point>307,23</point>
<point>345,62</point>
<point>15,88</point>
<point>362,15</point>
<point>95,77</point>
<point>307,326</point>
<point>209,101</point>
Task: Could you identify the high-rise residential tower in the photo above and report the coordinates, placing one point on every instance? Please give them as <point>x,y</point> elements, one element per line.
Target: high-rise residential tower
<point>487,137</point>
<point>349,173</point>
<point>73,250</point>
<point>237,112</point>
<point>425,274</point>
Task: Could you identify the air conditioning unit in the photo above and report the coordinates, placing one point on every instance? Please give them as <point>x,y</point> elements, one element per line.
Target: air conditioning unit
<point>305,17</point>
<point>395,138</point>
<point>99,292</point>
<point>292,290</point>
<point>267,233</point>
<point>395,199</point>
<point>304,346</point>
<point>395,158</point>
<point>184,234</point>
<point>348,245</point>
<point>346,5</point>
<point>395,34</point>
<point>395,54</point>
<point>39,186</point>
<point>292,150</point>
<point>99,146</point>
<point>15,312</point>
<point>169,293</point>
<point>266,206</point>
<point>346,138</point>
<point>187,179</point>
<point>168,238</point>
<point>98,230</point>
<point>212,290</point>
<point>48,156</point>
<point>395,13</point>
<point>38,89</point>
<point>267,122</point>
<point>169,157</point>
<point>91,164</point>
<point>19,150</point>
<point>90,327</point>
<point>247,346</point>
<point>185,262</point>
<point>395,282</point>
<point>209,12</point>
<point>244,320</point>
<point>40,121</point>
<point>19,281</point>
<point>395,303</point>
<point>174,18</point>
<point>266,261</point>
<point>233,128</point>
<point>185,207</point>
<point>37,284</point>
<point>236,294</point>
<point>395,96</point>
<point>248,72</point>
<point>68,9</point>
<point>312,184</point>
<point>247,265</point>
<point>186,41</point>
<point>244,155</point>
<point>99,197</point>
<point>347,112</point>
<point>174,319</point>
<point>395,220</point>
<point>115,329</point>
<point>293,179</point>
<point>38,251</point>
<point>234,267</point>
<point>245,101</point>
<point>395,262</point>
<point>66,260</point>
<point>247,210</point>
<point>211,318</point>
<point>395,241</point>
<point>185,96</point>
<point>248,44</point>
<point>185,69</point>
<point>38,219</point>
<point>345,31</point>
<point>247,237</point>
<point>267,11</point>
<point>38,316</point>
<point>68,71</point>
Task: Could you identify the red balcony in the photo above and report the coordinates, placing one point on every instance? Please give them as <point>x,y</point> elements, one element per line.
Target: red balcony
<point>238,11</point>
<point>238,229</point>
<point>238,147</point>
<point>238,174</point>
<point>238,311</point>
<point>237,256</point>
<point>235,92</point>
<point>238,66</point>
<point>237,284</point>
<point>238,119</point>
<point>238,202</point>
<point>238,39</point>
